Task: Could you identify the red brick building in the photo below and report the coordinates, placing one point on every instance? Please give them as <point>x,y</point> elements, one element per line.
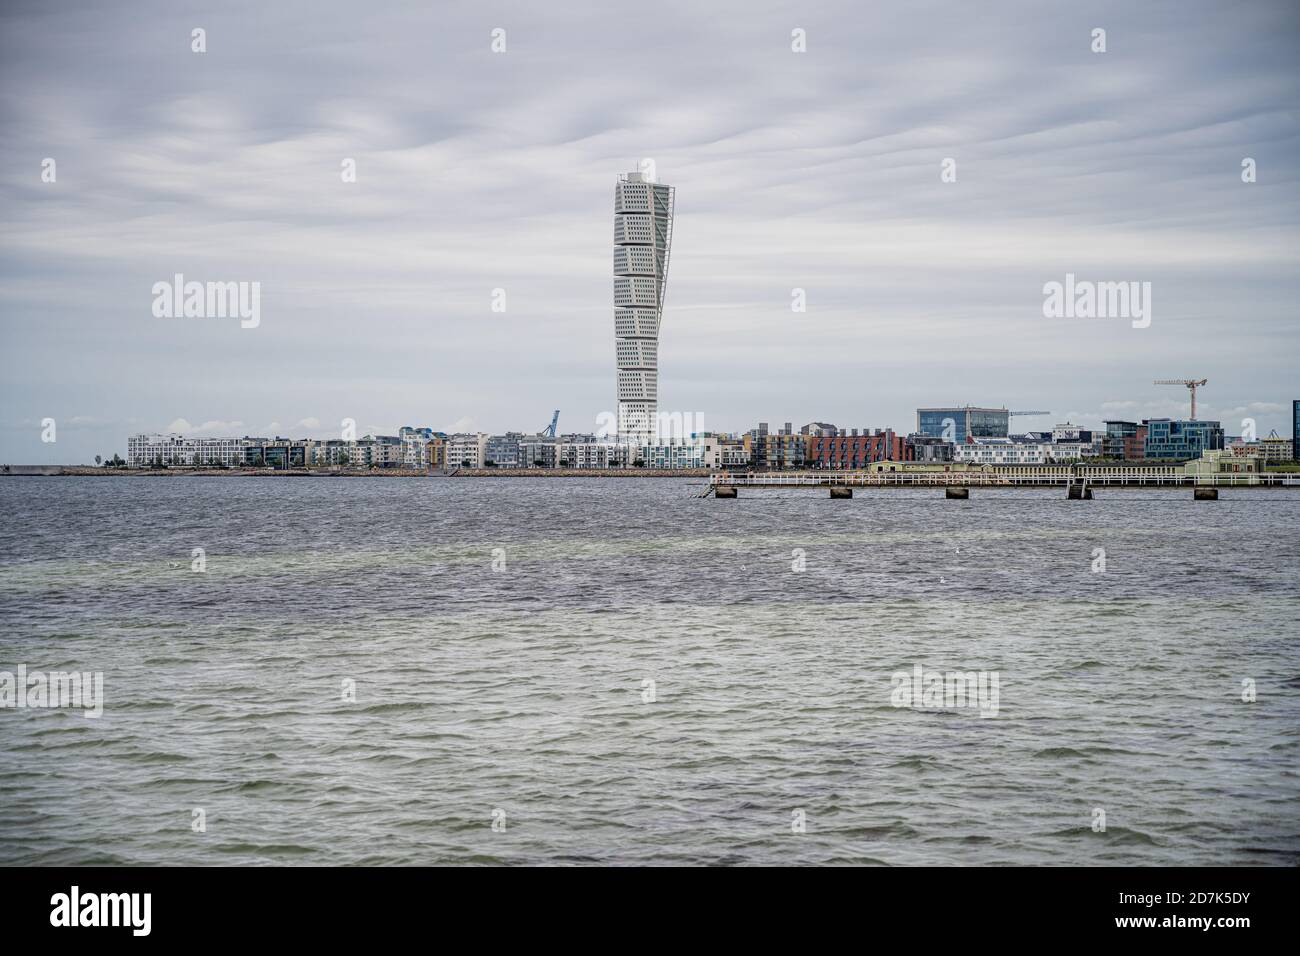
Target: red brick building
<point>856,451</point>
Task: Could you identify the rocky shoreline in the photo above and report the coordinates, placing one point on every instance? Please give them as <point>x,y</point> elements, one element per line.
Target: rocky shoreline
<point>89,471</point>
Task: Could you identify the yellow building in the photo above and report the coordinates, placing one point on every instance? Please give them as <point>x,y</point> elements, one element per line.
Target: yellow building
<point>437,451</point>
<point>1216,464</point>
<point>775,450</point>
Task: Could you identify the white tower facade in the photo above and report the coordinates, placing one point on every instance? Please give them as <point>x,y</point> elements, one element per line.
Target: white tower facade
<point>643,232</point>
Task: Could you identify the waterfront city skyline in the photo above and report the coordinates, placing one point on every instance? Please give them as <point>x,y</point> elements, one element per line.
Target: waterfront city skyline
<point>378,293</point>
<point>375,501</point>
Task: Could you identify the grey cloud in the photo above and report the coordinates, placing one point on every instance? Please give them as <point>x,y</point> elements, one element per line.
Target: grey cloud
<point>475,171</point>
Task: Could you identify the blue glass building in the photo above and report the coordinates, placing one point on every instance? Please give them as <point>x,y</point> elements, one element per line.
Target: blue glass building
<point>1295,430</point>
<point>955,424</point>
<point>1172,439</point>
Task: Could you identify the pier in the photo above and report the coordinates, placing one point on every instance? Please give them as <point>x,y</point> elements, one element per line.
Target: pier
<point>1077,484</point>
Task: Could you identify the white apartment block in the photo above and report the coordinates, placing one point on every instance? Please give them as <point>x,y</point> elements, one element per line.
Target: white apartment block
<point>701,453</point>
<point>1001,451</point>
<point>466,451</point>
<point>594,455</point>
<point>142,451</point>
<point>415,451</point>
<point>1009,451</point>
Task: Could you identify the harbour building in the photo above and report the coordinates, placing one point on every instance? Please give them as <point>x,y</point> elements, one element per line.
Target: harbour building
<point>849,450</point>
<point>1124,440</point>
<point>643,230</point>
<point>1169,438</point>
<point>773,451</point>
<point>959,423</point>
<point>1295,429</point>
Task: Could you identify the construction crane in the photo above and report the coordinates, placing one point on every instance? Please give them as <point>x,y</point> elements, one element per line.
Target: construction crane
<point>1191,383</point>
<point>555,420</point>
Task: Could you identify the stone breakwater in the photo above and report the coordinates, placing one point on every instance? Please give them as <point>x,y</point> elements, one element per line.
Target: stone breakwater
<point>582,473</point>
<point>88,471</point>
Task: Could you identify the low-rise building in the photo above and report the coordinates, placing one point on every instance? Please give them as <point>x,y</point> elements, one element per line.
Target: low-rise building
<point>538,451</point>
<point>502,451</point>
<point>279,453</point>
<point>820,429</point>
<point>1072,445</point>
<point>1181,440</point>
<point>594,454</point>
<point>1269,450</point>
<point>696,453</point>
<point>1222,463</point>
<point>1088,443</point>
<point>773,451</point>
<point>926,448</point>
<point>957,423</point>
<point>732,453</point>
<point>150,450</point>
<point>1001,451</point>
<point>1124,440</point>
<point>466,450</point>
<point>415,446</point>
<point>378,451</point>
<point>849,450</point>
<point>333,451</point>
<point>437,450</point>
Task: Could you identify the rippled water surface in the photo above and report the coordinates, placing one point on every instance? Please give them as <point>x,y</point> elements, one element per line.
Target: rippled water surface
<point>520,693</point>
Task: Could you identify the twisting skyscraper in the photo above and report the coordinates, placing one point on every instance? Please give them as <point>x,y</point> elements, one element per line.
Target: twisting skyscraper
<point>643,231</point>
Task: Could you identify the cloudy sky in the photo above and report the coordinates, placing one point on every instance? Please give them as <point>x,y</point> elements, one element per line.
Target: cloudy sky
<point>478,170</point>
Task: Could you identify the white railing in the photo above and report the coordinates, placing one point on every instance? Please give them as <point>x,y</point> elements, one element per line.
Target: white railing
<point>1170,479</point>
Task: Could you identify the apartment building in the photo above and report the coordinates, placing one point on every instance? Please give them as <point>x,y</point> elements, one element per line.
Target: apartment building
<point>148,450</point>
<point>848,450</point>
<point>466,450</point>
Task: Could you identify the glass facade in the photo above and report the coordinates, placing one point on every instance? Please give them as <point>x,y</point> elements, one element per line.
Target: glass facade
<point>955,424</point>
<point>1123,440</point>
<point>989,422</point>
<point>1181,440</point>
<point>276,455</point>
<point>1295,430</point>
